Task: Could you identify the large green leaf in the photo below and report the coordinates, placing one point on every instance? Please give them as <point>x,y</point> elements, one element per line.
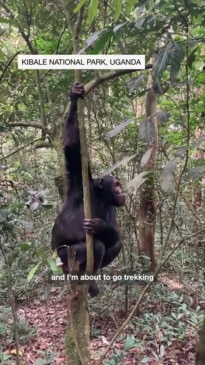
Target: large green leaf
<point>177,56</point>
<point>116,6</point>
<point>79,6</point>
<point>170,55</point>
<point>92,10</point>
<point>162,61</point>
<point>100,44</point>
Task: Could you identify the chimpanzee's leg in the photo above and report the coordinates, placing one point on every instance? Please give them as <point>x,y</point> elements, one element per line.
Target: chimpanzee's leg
<point>80,257</point>
<point>111,253</point>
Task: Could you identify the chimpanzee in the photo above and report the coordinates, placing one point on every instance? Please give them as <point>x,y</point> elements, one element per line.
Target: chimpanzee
<point>105,194</point>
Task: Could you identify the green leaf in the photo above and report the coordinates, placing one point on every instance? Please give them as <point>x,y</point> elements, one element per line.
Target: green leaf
<point>47,206</point>
<point>139,23</point>
<point>32,272</point>
<point>145,158</point>
<point>150,4</point>
<point>52,264</point>
<point>116,130</point>
<point>135,82</point>
<point>116,7</point>
<point>162,351</point>
<point>138,180</point>
<point>162,61</point>
<point>180,151</point>
<point>100,44</point>
<point>129,343</point>
<point>119,26</point>
<point>25,247</point>
<point>91,40</point>
<point>172,54</point>
<point>171,165</point>
<point>177,56</point>
<point>129,5</point>
<point>167,182</point>
<point>141,8</point>
<point>147,131</point>
<point>163,116</point>
<point>92,10</point>
<point>79,6</point>
<point>146,360</point>
<point>124,161</point>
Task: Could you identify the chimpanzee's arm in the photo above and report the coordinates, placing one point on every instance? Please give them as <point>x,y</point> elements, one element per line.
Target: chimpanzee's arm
<point>71,139</point>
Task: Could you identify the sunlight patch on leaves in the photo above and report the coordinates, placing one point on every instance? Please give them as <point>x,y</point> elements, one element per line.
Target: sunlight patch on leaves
<point>32,272</point>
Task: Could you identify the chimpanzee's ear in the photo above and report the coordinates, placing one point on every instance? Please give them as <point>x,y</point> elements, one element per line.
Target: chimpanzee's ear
<point>99,182</point>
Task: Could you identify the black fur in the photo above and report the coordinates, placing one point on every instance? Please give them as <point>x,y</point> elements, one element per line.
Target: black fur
<point>106,193</point>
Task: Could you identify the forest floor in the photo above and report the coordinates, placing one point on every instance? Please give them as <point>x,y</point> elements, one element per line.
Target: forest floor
<point>49,318</point>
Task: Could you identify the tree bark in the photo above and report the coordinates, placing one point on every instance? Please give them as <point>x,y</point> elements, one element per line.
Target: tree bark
<point>200,352</point>
<point>147,215</point>
<point>78,326</point>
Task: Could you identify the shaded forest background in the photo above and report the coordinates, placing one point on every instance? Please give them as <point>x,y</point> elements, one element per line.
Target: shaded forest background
<point>147,127</point>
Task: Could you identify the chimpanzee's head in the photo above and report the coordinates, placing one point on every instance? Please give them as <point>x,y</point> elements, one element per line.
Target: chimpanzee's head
<point>111,191</point>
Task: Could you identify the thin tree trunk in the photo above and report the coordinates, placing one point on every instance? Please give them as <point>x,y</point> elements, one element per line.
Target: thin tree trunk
<point>77,339</point>
<point>200,353</point>
<point>147,215</point>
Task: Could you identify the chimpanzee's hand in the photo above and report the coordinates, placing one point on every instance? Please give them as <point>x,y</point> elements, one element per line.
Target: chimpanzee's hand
<point>77,91</point>
<point>92,225</point>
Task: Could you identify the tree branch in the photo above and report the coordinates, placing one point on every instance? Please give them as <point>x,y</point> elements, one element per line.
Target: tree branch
<point>44,145</point>
<point>20,148</point>
<point>78,26</point>
<point>109,76</point>
<point>8,64</point>
<point>106,77</point>
<point>26,125</point>
<point>41,103</point>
